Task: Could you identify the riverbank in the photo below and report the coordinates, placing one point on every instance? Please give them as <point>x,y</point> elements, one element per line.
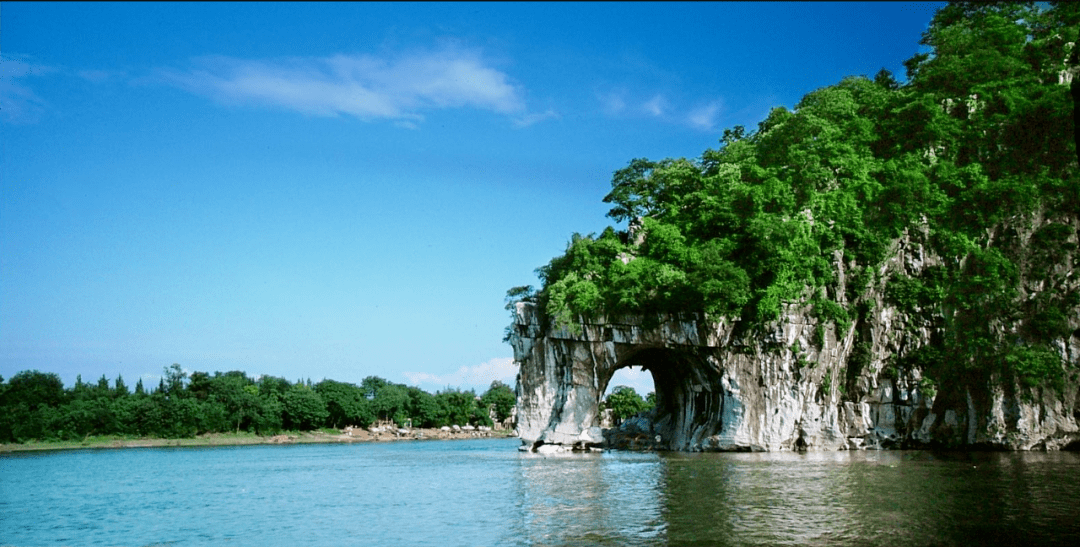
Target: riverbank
<point>242,439</point>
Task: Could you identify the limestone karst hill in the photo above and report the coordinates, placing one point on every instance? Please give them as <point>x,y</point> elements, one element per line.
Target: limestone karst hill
<point>886,265</point>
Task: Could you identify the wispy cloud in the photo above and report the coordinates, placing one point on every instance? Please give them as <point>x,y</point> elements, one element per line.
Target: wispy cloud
<point>529,119</point>
<point>400,89</point>
<point>98,76</point>
<point>704,117</point>
<point>18,103</point>
<point>654,106</point>
<point>621,103</point>
<point>477,377</point>
<point>612,103</point>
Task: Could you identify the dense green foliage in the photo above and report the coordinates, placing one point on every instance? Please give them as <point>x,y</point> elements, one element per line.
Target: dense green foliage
<point>35,405</point>
<point>625,402</point>
<point>972,158</point>
<point>501,398</point>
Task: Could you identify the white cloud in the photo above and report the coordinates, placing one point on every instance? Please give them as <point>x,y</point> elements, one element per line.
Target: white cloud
<point>529,119</point>
<point>654,106</point>
<point>477,377</point>
<point>612,103</point>
<point>705,116</point>
<point>18,103</point>
<point>620,103</point>
<point>367,87</point>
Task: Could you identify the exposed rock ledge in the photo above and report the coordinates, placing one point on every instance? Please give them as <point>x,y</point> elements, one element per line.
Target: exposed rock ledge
<point>716,393</point>
<point>719,390</point>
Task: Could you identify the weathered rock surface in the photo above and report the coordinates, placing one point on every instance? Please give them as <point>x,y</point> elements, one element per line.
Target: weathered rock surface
<point>718,389</point>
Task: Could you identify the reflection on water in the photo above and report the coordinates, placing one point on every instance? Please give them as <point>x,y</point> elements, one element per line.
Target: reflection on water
<point>574,499</point>
<point>477,493</point>
<point>872,498</point>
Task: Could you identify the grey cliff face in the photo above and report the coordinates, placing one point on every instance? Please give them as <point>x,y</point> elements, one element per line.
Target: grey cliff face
<point>719,390</point>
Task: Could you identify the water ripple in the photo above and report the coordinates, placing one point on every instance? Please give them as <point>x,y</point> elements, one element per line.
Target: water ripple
<point>484,492</point>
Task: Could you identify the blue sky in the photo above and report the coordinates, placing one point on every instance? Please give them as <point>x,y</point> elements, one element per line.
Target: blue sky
<point>343,190</point>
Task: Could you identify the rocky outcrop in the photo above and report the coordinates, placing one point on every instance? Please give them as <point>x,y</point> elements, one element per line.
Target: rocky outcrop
<point>800,386</point>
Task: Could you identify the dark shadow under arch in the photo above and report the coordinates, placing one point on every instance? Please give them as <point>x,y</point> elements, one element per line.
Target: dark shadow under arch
<point>689,399</point>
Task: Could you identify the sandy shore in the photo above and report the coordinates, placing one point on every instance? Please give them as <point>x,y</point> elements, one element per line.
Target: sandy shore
<point>238,439</point>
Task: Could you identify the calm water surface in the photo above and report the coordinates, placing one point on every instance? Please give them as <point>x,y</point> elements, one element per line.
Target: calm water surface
<point>486,493</point>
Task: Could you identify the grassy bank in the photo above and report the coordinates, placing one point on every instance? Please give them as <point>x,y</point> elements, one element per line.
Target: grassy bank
<point>240,439</point>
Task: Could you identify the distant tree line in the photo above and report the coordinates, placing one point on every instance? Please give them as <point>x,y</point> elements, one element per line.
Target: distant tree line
<point>36,406</point>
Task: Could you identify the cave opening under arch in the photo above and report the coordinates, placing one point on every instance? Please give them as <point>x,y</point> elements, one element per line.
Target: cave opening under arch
<point>689,397</point>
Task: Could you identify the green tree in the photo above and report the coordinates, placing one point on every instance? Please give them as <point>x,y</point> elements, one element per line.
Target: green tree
<point>149,418</point>
<point>391,403</point>
<point>273,386</point>
<point>423,408</point>
<point>29,406</point>
<point>501,398</point>
<point>456,407</point>
<point>304,409</point>
<point>175,380</point>
<point>345,404</point>
<point>625,402</point>
<point>238,395</point>
<point>35,389</point>
<point>271,414</point>
<point>121,389</point>
<point>371,386</point>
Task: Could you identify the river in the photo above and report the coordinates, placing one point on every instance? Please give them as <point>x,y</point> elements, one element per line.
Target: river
<point>486,493</point>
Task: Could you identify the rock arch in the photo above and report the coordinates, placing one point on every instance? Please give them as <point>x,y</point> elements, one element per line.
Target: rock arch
<point>564,374</point>
<point>794,388</point>
<point>689,393</point>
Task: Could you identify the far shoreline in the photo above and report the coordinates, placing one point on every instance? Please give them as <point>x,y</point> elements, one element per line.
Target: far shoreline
<point>250,439</point>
